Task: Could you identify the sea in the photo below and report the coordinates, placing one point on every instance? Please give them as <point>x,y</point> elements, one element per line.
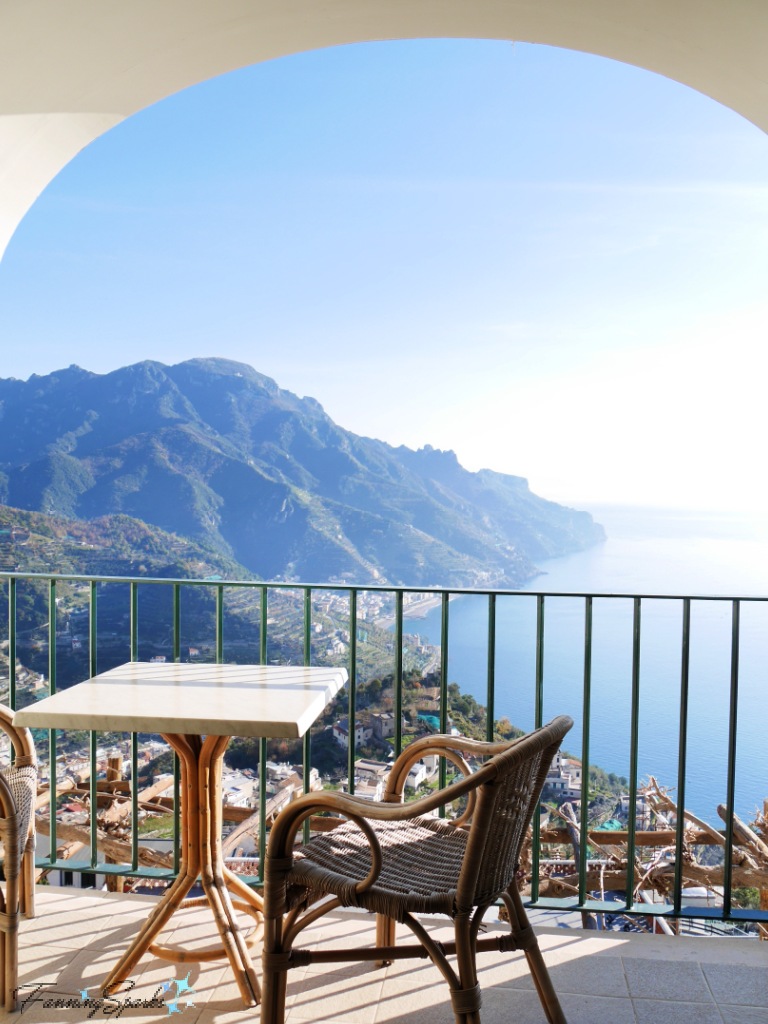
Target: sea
<point>651,552</point>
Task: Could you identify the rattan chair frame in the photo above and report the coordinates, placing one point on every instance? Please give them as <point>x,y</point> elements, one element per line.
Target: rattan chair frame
<point>286,918</point>
<point>19,895</point>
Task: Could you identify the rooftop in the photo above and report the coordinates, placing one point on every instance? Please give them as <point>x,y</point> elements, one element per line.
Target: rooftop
<point>610,977</point>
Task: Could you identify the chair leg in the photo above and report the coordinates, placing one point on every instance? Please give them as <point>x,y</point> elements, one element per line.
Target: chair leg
<point>385,935</point>
<point>273,989</point>
<point>11,968</point>
<point>3,953</point>
<point>541,979</point>
<point>467,965</point>
<point>518,920</point>
<point>28,872</point>
<point>274,983</point>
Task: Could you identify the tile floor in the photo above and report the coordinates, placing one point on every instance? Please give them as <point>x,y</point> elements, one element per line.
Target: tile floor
<point>608,978</point>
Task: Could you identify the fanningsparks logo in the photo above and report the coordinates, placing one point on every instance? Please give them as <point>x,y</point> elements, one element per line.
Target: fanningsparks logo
<point>109,1006</point>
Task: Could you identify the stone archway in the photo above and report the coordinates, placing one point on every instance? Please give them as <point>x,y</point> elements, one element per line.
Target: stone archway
<point>72,69</point>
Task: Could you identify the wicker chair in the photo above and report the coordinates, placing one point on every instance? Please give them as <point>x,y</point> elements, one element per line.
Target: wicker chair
<point>391,859</point>
<point>18,790</point>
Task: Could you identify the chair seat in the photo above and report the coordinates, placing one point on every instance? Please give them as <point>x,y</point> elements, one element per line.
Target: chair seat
<point>421,863</point>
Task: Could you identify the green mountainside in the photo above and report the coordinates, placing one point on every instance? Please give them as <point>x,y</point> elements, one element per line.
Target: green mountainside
<point>212,450</point>
<point>32,542</point>
<point>107,546</point>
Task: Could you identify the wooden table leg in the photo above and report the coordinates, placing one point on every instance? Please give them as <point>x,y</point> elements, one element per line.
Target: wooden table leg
<point>201,855</point>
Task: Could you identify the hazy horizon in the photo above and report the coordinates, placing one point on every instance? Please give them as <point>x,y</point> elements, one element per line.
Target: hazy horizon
<point>717,521</point>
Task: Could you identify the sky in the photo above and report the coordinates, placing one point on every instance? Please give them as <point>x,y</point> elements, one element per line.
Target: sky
<point>550,262</point>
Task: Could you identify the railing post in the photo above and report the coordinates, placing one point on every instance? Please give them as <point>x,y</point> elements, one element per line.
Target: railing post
<point>263,627</point>
<point>262,805</point>
<point>134,621</point>
<point>94,799</point>
<point>92,666</point>
<point>12,646</point>
<point>586,712</point>
<point>134,736</point>
<point>398,673</point>
<point>681,757</point>
<point>490,699</point>
<point>176,622</point>
<point>538,721</point>
<point>219,624</point>
<point>52,732</point>
<point>444,607</point>
<point>134,801</point>
<point>352,701</point>
<point>307,743</point>
<point>732,732</point>
<point>51,637</point>
<point>633,755</point>
<point>262,740</point>
<point>92,633</point>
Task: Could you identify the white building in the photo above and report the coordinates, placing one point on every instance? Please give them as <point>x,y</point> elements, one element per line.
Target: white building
<point>315,782</point>
<point>383,724</point>
<point>237,790</point>
<point>564,777</point>
<point>570,765</point>
<point>371,771</point>
<point>643,810</point>
<point>369,789</point>
<point>283,776</point>
<point>416,776</point>
<point>560,784</point>
<point>341,733</point>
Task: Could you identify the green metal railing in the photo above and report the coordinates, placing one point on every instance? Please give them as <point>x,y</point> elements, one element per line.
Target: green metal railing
<point>582,901</point>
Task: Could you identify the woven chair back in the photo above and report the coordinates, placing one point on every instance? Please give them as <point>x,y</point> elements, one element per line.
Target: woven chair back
<point>505,807</point>
<point>14,830</point>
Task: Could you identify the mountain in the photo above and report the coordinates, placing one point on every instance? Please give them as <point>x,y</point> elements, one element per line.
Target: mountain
<point>212,450</point>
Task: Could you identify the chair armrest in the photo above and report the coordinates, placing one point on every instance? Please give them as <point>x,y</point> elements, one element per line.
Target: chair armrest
<point>20,737</point>
<point>290,817</point>
<point>441,745</point>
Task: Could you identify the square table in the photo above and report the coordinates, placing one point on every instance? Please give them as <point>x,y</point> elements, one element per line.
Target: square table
<point>196,709</point>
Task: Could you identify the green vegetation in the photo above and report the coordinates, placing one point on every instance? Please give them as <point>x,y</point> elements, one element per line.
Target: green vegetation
<point>605,788</point>
<point>160,765</point>
<point>157,827</point>
<point>465,713</point>
<point>746,898</point>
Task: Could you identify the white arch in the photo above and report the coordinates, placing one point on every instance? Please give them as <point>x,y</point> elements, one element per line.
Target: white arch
<point>72,69</point>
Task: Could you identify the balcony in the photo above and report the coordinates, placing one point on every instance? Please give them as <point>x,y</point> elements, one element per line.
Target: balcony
<point>677,885</point>
<point>602,977</point>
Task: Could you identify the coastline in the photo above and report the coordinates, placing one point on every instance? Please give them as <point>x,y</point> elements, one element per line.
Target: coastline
<point>419,610</point>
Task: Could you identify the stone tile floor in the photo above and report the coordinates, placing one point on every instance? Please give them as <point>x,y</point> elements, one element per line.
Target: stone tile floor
<point>602,978</point>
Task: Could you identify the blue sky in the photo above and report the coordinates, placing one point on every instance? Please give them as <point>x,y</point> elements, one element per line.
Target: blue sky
<point>553,263</point>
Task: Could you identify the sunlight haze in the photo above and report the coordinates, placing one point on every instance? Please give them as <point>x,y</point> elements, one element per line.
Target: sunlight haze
<point>538,258</point>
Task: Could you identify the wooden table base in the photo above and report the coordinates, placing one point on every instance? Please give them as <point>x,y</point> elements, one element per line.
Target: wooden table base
<point>201,856</point>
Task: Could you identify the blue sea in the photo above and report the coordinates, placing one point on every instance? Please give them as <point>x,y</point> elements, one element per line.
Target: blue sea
<point>647,552</point>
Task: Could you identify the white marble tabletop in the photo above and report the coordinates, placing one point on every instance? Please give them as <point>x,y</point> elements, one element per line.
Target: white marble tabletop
<point>217,700</point>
